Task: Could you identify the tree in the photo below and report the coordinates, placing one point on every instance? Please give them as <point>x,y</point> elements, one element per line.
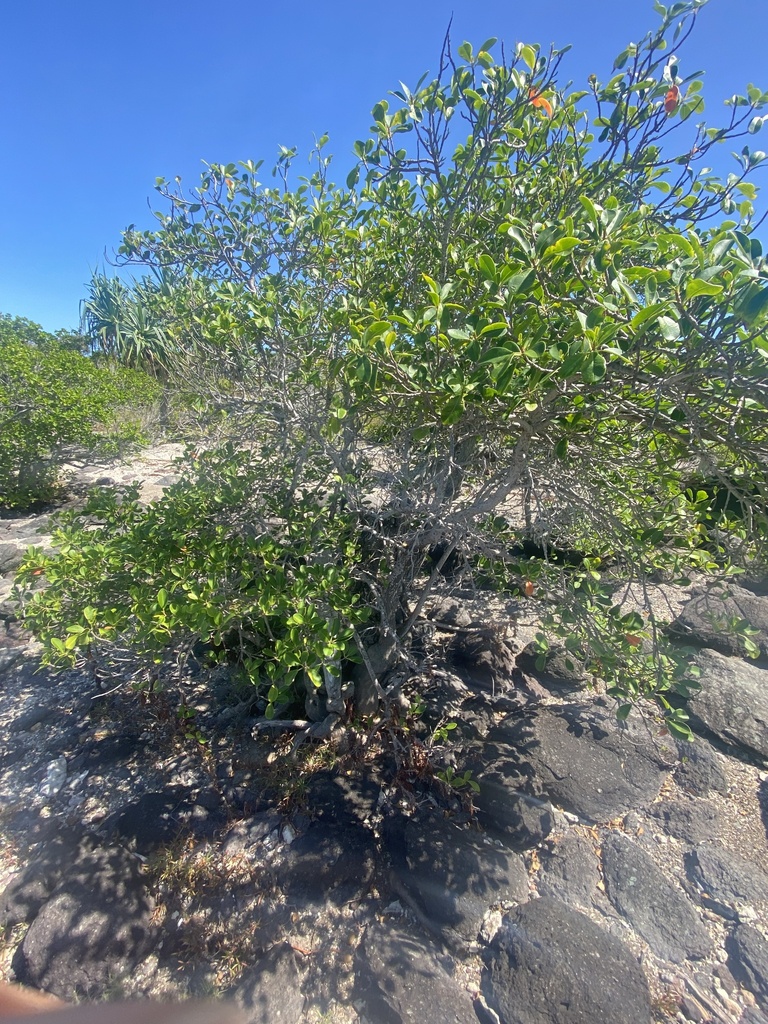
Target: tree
<point>531,322</point>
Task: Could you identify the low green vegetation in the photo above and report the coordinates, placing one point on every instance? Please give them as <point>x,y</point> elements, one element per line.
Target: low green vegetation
<point>525,342</point>
<point>54,401</point>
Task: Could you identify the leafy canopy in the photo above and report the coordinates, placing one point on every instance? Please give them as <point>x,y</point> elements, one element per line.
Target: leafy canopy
<point>531,313</point>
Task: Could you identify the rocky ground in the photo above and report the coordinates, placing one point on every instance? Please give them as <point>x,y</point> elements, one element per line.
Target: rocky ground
<point>604,872</point>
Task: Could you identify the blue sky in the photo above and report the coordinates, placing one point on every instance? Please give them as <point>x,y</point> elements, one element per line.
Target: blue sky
<point>97,100</point>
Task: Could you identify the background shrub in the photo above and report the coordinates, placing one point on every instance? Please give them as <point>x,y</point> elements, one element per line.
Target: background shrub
<point>53,399</point>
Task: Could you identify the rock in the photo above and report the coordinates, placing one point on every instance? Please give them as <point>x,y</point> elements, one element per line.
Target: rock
<point>400,979</point>
<point>748,958</point>
<point>270,992</point>
<point>753,1016</point>
<point>156,819</point>
<point>571,872</point>
<point>449,611</point>
<point>11,557</point>
<point>552,965</point>
<point>732,702</point>
<point>689,820</point>
<point>328,862</point>
<point>561,672</point>
<point>485,662</point>
<point>337,798</point>
<point>520,818</point>
<point>95,928</point>
<point>34,716</point>
<point>55,777</point>
<point>9,657</point>
<point>55,848</point>
<point>705,618</point>
<point>584,760</point>
<point>725,878</point>
<point>450,876</point>
<point>253,836</point>
<point>657,910</point>
<point>699,772</point>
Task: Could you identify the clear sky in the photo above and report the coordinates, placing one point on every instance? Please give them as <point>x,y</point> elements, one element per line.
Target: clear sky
<point>99,99</point>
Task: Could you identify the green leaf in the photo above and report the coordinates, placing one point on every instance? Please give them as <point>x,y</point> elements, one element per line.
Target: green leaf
<point>487,268</point>
<point>498,354</point>
<point>700,287</point>
<point>670,329</point>
<point>527,54</point>
<point>500,325</point>
<point>520,283</point>
<point>563,245</point>
<point>452,411</point>
<point>561,448</point>
<point>594,368</point>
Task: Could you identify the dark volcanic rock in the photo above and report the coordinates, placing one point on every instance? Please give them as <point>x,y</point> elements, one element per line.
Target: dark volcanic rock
<point>11,557</point>
<point>484,661</point>
<point>706,617</point>
<point>94,929</point>
<point>657,910</point>
<point>732,702</point>
<point>571,872</point>
<point>724,878</point>
<point>503,805</point>
<point>26,894</point>
<point>337,798</point>
<point>699,772</point>
<point>690,820</point>
<point>748,958</point>
<point>449,611</point>
<point>32,717</point>
<point>328,862</point>
<point>450,876</point>
<point>401,980</point>
<point>584,760</point>
<point>560,673</point>
<point>270,992</point>
<point>552,965</point>
<point>156,819</point>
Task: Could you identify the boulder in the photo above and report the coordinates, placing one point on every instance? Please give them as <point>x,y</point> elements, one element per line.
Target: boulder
<point>655,908</point>
<point>561,672</point>
<point>724,878</point>
<point>401,979</point>
<point>270,991</point>
<point>732,702</point>
<point>552,965</point>
<point>748,958</point>
<point>706,618</point>
<point>328,863</point>
<point>582,759</point>
<point>485,662</point>
<point>11,557</point>
<point>571,871</point>
<point>33,886</point>
<point>699,772</point>
<point>450,876</point>
<point>157,819</point>
<point>505,805</point>
<point>95,928</point>
<point>691,821</point>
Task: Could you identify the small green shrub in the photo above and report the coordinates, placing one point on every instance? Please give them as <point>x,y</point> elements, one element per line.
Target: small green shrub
<point>52,399</point>
<point>214,560</point>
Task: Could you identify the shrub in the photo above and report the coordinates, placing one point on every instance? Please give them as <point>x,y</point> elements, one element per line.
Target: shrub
<point>212,561</point>
<point>53,399</point>
<point>526,300</point>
